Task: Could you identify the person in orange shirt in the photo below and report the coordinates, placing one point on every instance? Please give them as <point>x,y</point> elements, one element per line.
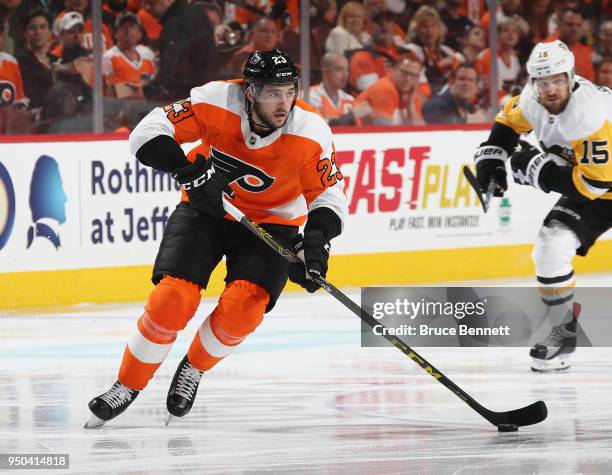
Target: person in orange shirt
<point>273,156</point>
<point>335,105</point>
<point>571,30</point>
<point>370,64</point>
<point>128,65</point>
<point>508,66</point>
<point>396,99</point>
<point>151,25</point>
<point>11,85</point>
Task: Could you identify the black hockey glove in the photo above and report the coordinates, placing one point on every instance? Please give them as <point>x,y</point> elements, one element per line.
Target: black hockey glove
<point>313,250</point>
<point>527,164</point>
<point>204,185</point>
<point>490,163</point>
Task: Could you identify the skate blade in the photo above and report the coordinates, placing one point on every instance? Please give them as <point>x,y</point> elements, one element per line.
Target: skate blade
<point>94,422</point>
<point>171,419</point>
<point>554,364</point>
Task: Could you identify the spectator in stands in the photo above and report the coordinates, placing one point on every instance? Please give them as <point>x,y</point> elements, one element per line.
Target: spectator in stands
<point>456,23</point>
<point>128,65</point>
<point>370,64</point>
<point>395,99</point>
<point>457,104</point>
<point>472,43</point>
<point>152,26</point>
<point>11,29</point>
<point>351,30</point>
<point>84,8</point>
<point>537,14</point>
<point>245,12</point>
<point>70,29</point>
<point>426,33</point>
<point>35,60</point>
<point>11,84</point>
<point>70,97</point>
<point>214,14</point>
<point>571,30</point>
<point>111,10</point>
<point>604,42</point>
<point>187,49</point>
<point>507,9</point>
<point>264,37</point>
<point>604,73</point>
<point>508,67</point>
<point>51,8</point>
<point>335,105</point>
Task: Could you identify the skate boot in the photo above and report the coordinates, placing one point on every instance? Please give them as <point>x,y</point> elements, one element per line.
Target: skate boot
<point>182,390</point>
<point>110,404</point>
<point>555,351</point>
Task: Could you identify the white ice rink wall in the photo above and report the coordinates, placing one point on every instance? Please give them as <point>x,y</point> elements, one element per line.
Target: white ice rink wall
<point>81,219</point>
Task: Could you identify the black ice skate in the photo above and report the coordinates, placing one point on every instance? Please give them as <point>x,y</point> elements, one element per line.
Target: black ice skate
<point>555,351</point>
<point>110,404</point>
<point>182,390</point>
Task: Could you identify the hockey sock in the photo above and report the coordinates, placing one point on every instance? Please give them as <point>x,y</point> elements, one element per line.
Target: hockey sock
<point>170,306</point>
<point>239,312</point>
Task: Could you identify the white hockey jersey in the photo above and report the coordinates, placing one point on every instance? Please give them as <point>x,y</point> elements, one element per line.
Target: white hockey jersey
<point>580,135</point>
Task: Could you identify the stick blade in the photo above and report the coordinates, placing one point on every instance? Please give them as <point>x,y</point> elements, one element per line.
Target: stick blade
<point>524,416</point>
<point>474,183</point>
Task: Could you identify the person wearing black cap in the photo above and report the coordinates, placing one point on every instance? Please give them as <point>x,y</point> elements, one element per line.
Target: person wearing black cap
<point>273,156</point>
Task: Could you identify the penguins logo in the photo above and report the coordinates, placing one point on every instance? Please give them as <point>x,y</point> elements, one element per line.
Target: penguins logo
<point>247,176</point>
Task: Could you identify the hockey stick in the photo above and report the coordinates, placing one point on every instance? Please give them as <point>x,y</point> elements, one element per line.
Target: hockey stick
<point>524,416</point>
<point>475,184</point>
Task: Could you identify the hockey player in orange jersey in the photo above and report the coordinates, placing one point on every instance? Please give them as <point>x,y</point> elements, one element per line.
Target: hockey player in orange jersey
<point>273,155</point>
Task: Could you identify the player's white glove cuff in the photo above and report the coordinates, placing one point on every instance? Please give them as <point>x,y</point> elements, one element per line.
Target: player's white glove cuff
<point>490,152</point>
<point>531,175</point>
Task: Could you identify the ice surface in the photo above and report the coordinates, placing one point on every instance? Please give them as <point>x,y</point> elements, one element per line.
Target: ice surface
<point>299,395</point>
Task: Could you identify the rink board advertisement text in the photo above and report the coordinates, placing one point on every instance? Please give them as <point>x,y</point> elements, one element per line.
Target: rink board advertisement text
<point>81,221</point>
<point>477,316</point>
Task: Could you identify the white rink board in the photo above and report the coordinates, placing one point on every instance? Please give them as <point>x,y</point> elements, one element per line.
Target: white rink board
<point>402,188</point>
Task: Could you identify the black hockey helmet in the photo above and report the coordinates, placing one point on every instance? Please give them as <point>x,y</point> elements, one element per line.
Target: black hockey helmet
<point>270,67</point>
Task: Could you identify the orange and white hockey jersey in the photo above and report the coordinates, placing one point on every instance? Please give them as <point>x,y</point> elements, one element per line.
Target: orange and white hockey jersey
<point>580,136</point>
<point>11,85</point>
<point>118,68</point>
<point>276,179</point>
<point>318,97</point>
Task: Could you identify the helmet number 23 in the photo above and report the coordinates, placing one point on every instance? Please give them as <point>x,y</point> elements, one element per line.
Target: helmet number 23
<point>278,59</point>
<point>596,152</point>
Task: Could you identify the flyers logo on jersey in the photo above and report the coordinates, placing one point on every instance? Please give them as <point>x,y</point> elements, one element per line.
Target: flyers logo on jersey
<point>247,176</point>
<point>7,93</point>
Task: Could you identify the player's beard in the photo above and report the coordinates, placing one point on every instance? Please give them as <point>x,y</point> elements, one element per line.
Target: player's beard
<point>265,119</point>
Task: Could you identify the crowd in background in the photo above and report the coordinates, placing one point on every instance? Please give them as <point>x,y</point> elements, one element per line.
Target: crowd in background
<point>375,62</point>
